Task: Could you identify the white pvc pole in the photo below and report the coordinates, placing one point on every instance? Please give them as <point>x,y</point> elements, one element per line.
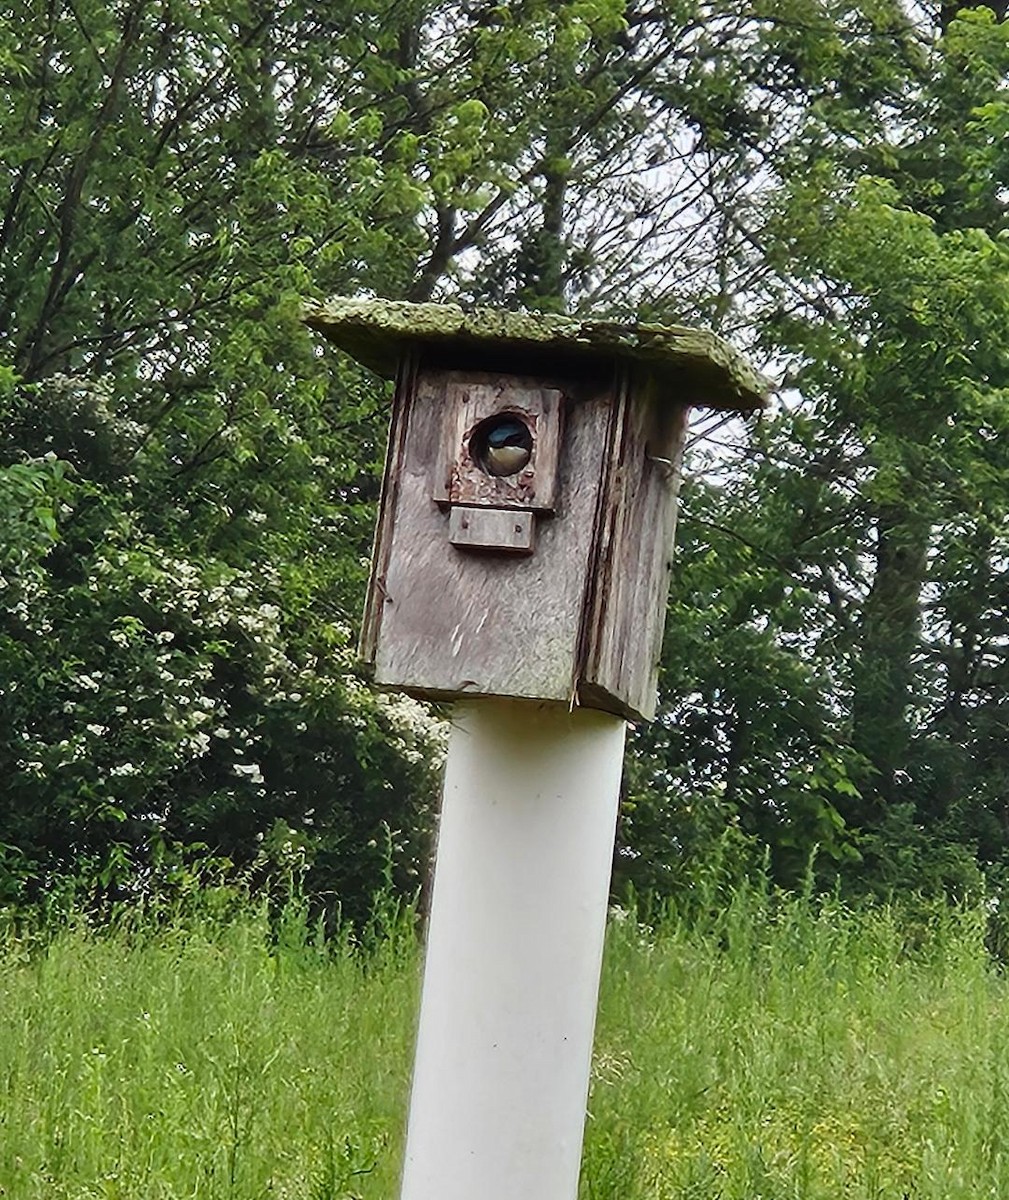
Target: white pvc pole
<point>514,947</point>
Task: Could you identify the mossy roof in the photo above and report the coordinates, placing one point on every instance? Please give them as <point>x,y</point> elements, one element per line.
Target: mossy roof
<point>377,332</point>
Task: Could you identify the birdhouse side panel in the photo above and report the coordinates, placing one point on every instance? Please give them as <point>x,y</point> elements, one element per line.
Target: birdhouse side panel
<point>456,621</point>
<point>628,609</point>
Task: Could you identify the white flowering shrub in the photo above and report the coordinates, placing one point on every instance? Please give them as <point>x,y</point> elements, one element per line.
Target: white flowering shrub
<point>174,655</point>
<point>158,707</point>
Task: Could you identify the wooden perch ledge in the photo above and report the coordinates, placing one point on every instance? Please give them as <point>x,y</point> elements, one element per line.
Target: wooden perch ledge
<point>693,365</point>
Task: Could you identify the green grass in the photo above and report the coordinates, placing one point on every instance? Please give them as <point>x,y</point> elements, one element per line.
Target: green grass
<point>779,1049</point>
<point>202,1062</point>
<point>789,1052</point>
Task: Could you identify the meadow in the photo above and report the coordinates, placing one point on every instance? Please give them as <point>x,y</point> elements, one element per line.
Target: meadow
<point>772,1049</point>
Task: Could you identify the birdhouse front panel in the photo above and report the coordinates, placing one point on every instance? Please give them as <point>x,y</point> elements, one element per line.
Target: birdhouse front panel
<point>456,606</point>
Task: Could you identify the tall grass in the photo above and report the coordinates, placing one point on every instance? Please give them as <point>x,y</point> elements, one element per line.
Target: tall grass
<point>773,1049</point>
<point>207,1060</point>
<point>792,1049</point>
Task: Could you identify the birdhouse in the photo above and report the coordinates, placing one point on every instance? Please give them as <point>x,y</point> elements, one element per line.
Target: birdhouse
<point>529,501</point>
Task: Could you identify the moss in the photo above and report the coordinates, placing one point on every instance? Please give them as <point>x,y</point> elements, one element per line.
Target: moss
<point>687,361</point>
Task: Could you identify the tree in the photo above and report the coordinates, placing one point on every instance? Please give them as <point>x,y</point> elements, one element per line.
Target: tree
<point>177,643</point>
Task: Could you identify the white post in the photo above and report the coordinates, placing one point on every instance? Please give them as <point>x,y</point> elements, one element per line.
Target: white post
<point>514,948</point>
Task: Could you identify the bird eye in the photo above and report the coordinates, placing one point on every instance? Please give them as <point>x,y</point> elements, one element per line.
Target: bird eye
<point>501,445</point>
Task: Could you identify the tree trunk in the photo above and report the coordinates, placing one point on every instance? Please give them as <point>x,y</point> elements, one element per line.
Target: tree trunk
<point>543,259</point>
<point>890,629</point>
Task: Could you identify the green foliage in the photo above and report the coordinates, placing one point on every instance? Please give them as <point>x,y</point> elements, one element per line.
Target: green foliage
<point>29,500</point>
<point>188,489</point>
<point>835,659</point>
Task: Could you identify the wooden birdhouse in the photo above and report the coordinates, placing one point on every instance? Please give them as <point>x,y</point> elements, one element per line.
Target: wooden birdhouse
<point>529,500</point>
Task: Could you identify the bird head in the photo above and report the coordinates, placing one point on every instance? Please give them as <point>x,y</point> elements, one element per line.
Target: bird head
<point>511,432</point>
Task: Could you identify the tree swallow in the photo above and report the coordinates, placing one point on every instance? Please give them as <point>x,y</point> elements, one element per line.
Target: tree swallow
<point>509,446</point>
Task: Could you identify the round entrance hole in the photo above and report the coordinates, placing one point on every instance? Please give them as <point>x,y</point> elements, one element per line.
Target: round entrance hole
<point>501,445</point>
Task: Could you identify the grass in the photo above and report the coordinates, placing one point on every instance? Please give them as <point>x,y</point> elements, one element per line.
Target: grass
<point>202,1062</point>
<point>776,1050</point>
<point>794,1051</point>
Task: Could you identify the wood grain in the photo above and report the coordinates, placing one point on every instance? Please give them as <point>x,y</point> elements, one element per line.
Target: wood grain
<point>377,332</point>
<point>626,614</point>
<point>468,399</point>
<point>509,530</point>
<point>480,600</point>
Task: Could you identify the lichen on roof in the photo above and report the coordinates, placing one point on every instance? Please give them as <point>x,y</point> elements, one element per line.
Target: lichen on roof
<point>377,332</point>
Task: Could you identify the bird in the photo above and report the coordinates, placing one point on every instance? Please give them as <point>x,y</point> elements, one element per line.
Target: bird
<point>509,446</point>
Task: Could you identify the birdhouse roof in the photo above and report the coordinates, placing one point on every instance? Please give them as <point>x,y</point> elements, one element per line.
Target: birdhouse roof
<point>693,361</point>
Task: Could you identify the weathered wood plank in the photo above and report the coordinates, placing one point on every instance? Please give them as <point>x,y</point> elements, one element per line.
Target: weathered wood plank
<point>406,382</point>
<point>468,401</point>
<point>492,529</point>
<point>549,582</point>
<point>626,616</point>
